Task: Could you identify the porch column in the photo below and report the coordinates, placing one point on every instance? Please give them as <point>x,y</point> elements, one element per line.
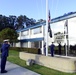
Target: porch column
<point>29,44</point>
<point>20,39</point>
<point>29,34</point>
<point>42,49</point>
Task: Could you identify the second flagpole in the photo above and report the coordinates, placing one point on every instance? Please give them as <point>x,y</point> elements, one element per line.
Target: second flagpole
<point>46,28</point>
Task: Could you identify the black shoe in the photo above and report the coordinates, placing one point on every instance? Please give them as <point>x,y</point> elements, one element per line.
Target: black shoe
<point>4,71</point>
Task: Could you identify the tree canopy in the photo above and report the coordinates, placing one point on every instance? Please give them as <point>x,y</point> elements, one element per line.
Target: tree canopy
<point>8,33</point>
<point>15,22</point>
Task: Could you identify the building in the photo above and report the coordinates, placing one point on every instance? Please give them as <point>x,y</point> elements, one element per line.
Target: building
<point>34,36</point>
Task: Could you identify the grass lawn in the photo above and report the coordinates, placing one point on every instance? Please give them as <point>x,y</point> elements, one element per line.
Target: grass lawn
<point>14,58</point>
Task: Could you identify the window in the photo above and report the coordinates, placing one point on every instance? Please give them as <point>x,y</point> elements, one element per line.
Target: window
<point>36,30</point>
<point>24,33</point>
<point>24,44</point>
<point>36,44</point>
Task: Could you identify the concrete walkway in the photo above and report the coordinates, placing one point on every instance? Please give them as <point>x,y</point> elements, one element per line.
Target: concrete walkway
<point>14,69</point>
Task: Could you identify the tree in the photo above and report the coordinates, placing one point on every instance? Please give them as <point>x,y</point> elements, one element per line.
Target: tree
<point>8,33</point>
<point>12,21</point>
<point>58,37</point>
<point>6,22</point>
<point>20,22</point>
<point>16,23</point>
<point>40,21</point>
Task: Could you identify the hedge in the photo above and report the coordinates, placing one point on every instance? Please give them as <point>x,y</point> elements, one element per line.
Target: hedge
<point>29,50</point>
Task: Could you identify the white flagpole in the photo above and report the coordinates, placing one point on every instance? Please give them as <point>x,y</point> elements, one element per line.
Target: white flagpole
<point>65,29</point>
<point>67,37</point>
<point>46,29</point>
<point>66,44</point>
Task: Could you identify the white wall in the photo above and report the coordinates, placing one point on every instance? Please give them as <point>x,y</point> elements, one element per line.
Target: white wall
<point>72,30</point>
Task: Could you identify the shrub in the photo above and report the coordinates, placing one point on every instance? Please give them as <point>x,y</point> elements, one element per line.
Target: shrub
<point>29,50</point>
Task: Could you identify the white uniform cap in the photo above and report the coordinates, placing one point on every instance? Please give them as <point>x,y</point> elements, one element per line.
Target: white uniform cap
<point>5,40</point>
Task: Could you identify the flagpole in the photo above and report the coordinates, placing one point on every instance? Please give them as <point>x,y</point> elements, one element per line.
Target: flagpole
<point>66,44</point>
<point>67,38</point>
<point>65,29</point>
<point>46,28</point>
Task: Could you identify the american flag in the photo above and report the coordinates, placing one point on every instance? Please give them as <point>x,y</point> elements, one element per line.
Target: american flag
<point>49,28</point>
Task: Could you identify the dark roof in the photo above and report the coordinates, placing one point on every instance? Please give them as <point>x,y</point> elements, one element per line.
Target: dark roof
<point>64,17</point>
